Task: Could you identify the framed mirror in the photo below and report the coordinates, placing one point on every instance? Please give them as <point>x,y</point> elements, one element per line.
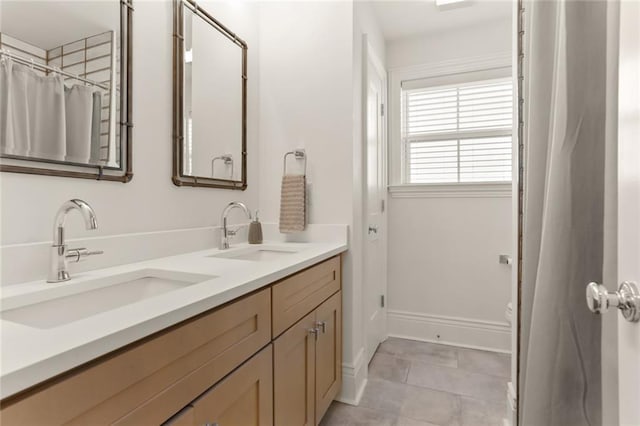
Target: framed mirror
<point>210,101</point>
<point>65,88</point>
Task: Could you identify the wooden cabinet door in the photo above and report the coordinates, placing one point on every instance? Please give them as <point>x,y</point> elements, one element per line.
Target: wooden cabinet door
<point>244,398</point>
<point>328,353</point>
<point>294,374</point>
<point>183,418</point>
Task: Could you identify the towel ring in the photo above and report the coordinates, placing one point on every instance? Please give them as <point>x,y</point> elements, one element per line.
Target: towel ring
<point>299,154</point>
<point>227,159</point>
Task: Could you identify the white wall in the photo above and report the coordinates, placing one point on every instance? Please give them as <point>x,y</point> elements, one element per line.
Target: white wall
<point>305,102</point>
<point>489,38</point>
<point>306,92</point>
<point>444,280</point>
<point>150,202</point>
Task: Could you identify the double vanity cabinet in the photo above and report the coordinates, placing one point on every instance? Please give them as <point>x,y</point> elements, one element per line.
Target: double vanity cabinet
<point>271,357</point>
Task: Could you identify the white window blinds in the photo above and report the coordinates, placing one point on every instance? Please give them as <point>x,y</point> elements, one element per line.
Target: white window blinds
<point>457,133</point>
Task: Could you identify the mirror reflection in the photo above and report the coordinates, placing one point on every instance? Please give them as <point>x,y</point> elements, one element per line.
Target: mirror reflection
<point>59,75</point>
<point>213,98</point>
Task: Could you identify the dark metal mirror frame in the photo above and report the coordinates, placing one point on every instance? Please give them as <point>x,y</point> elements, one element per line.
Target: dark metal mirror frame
<point>126,123</point>
<point>179,178</point>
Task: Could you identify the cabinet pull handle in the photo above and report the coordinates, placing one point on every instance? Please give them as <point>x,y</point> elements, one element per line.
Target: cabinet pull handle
<point>322,325</point>
<point>314,331</point>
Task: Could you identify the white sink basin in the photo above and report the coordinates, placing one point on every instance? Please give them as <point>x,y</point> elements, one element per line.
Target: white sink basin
<point>257,254</point>
<point>65,304</point>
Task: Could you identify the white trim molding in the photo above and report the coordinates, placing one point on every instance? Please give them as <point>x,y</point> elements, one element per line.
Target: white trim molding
<point>453,66</point>
<point>354,380</point>
<point>463,332</point>
<point>512,406</point>
<point>454,190</point>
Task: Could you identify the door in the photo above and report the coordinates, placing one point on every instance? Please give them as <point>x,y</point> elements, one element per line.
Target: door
<point>294,374</point>
<point>375,271</point>
<point>244,398</point>
<point>629,205</point>
<point>621,338</point>
<point>328,353</point>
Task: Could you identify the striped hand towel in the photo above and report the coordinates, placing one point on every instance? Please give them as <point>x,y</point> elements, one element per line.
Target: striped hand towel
<point>293,204</point>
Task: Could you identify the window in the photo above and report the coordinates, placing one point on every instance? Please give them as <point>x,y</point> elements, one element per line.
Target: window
<point>456,133</point>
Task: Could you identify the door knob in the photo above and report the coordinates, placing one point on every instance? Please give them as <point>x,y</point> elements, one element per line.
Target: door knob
<point>627,299</point>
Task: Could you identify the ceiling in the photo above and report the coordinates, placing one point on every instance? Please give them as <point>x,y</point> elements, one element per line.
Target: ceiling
<point>401,18</point>
<point>48,23</point>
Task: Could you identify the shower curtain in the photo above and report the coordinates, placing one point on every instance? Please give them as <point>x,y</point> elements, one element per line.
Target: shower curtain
<point>42,118</point>
<point>564,115</point>
<point>32,113</point>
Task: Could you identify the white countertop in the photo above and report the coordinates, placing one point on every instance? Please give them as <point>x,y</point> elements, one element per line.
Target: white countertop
<point>31,355</point>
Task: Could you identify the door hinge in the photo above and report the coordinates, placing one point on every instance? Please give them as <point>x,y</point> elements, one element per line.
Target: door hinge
<point>382,206</point>
<point>382,300</point>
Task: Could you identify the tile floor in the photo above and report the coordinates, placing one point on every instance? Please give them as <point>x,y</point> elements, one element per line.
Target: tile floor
<point>424,384</point>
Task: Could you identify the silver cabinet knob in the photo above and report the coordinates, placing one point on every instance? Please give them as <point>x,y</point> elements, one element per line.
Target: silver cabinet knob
<point>322,325</point>
<point>627,299</point>
<point>314,331</point>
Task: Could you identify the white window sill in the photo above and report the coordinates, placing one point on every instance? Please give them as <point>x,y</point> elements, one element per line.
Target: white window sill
<point>452,190</point>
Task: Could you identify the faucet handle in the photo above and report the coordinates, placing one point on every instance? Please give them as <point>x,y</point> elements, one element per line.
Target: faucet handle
<point>79,254</point>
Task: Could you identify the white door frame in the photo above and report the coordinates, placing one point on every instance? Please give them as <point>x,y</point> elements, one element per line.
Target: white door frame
<point>628,207</point>
<point>369,56</point>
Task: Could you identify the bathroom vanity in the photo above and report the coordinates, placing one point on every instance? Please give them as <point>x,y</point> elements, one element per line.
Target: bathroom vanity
<point>254,345</point>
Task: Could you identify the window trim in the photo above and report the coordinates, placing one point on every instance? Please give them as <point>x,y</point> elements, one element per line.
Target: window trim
<point>452,190</point>
<point>397,152</point>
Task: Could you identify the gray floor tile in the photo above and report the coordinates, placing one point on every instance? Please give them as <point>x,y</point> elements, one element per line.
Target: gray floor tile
<point>484,362</point>
<point>387,367</point>
<point>340,414</point>
<point>446,386</point>
<point>475,412</point>
<point>384,395</point>
<point>405,421</point>
<point>454,380</point>
<point>420,351</point>
<point>432,406</point>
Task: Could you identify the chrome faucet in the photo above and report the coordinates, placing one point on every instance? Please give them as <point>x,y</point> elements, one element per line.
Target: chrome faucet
<point>60,256</point>
<point>226,233</point>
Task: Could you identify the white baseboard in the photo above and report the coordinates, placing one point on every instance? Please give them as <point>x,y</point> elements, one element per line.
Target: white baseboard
<point>354,380</point>
<point>464,332</point>
<point>512,406</point>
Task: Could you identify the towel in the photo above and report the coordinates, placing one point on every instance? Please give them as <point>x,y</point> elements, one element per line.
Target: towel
<point>293,204</point>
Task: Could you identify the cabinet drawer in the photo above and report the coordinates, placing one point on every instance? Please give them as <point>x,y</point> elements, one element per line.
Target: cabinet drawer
<point>151,380</point>
<point>244,398</point>
<point>296,296</point>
